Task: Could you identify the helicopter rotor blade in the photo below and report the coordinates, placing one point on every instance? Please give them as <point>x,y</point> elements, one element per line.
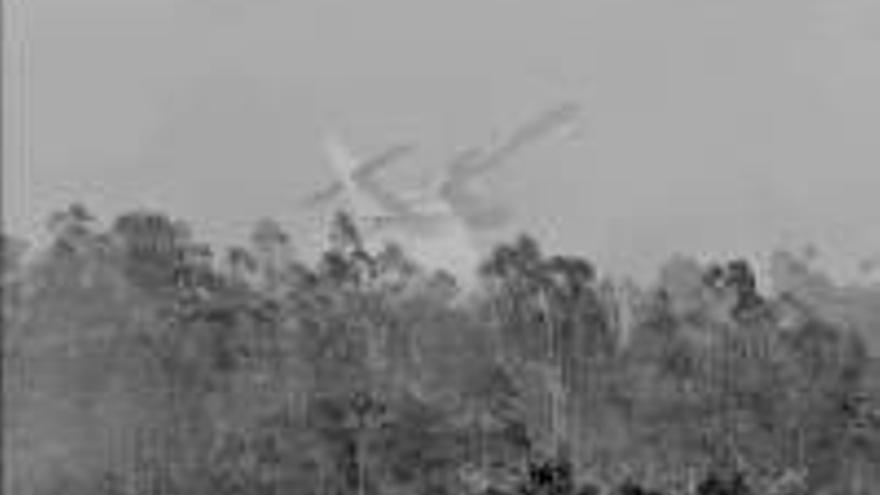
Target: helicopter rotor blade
<point>365,171</point>
<point>384,159</point>
<point>323,196</point>
<point>526,134</point>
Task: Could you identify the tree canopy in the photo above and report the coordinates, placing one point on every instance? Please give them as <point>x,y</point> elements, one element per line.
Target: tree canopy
<point>138,360</point>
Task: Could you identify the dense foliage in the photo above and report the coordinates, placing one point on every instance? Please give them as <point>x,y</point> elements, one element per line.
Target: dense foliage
<point>137,360</point>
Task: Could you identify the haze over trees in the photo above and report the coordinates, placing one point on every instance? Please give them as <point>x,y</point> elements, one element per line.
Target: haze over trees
<point>138,360</point>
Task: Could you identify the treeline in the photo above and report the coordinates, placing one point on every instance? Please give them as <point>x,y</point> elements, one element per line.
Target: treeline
<point>139,361</point>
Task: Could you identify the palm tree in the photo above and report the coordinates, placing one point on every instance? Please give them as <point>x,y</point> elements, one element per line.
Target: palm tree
<point>347,256</point>
<point>273,251</point>
<point>514,273</point>
<point>71,228</point>
<point>557,292</point>
<point>395,271</point>
<point>578,327</point>
<point>241,264</point>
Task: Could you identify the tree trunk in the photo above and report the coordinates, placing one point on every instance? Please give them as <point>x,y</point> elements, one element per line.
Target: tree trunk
<point>362,463</point>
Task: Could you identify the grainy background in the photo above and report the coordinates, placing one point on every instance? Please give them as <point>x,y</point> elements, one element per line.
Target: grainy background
<point>712,126</point>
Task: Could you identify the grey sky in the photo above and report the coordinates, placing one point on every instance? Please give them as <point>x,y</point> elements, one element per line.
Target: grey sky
<point>712,126</point>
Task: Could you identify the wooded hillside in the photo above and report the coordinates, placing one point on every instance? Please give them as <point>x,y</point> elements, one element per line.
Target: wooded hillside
<point>137,360</point>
